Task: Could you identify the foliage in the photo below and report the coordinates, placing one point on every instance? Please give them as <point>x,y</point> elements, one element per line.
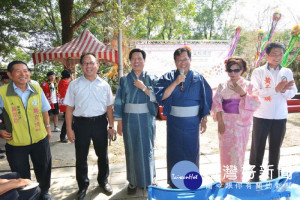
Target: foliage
<point>27,26</point>
<point>39,71</point>
<point>210,17</point>
<point>163,19</point>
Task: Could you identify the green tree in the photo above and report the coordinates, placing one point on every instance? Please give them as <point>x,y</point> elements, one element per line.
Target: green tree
<point>26,25</point>
<point>209,20</point>
<point>163,19</point>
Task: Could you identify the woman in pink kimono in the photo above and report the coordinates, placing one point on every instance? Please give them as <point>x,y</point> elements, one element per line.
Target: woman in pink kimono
<point>233,105</point>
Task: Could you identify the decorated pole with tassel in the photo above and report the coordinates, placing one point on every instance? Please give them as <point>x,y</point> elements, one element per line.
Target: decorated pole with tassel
<point>260,35</point>
<point>276,18</point>
<point>295,37</point>
<point>234,42</point>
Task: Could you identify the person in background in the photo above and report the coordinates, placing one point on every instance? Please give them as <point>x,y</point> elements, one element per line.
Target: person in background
<point>4,80</point>
<point>233,105</point>
<point>275,84</point>
<point>89,102</point>
<point>57,79</point>
<point>50,89</point>
<point>66,78</point>
<point>187,99</point>
<point>26,126</point>
<point>135,111</point>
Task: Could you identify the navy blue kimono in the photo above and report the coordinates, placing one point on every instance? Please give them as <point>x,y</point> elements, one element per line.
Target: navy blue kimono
<point>183,132</point>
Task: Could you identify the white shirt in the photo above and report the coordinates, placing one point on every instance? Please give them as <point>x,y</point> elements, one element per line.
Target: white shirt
<point>90,99</point>
<point>273,104</point>
<point>53,97</point>
<point>34,82</point>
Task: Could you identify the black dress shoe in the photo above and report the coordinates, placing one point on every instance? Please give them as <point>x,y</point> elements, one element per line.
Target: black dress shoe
<point>81,194</point>
<point>107,188</point>
<point>45,196</point>
<point>64,141</point>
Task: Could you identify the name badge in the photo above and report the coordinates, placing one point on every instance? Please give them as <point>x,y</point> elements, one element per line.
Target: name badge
<point>34,103</point>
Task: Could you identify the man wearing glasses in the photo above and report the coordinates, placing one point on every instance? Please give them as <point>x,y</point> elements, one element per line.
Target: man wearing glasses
<point>275,84</point>
<point>89,102</point>
<point>187,99</point>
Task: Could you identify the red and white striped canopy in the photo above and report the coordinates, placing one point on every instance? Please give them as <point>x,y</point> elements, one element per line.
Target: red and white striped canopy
<point>85,43</point>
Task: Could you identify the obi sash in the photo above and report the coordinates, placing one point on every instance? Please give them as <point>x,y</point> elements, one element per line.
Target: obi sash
<point>231,106</point>
<point>190,111</point>
<point>136,108</point>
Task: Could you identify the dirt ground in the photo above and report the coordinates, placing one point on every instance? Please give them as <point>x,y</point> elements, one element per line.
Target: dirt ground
<point>63,155</point>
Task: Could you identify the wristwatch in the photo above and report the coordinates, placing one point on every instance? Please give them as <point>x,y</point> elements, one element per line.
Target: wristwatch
<point>144,89</point>
<point>110,127</point>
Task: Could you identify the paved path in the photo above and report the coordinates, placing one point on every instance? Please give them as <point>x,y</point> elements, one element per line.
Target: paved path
<point>64,185</point>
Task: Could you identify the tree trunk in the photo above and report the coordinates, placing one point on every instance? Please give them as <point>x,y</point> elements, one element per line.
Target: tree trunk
<point>148,27</point>
<point>52,20</point>
<point>212,19</point>
<point>204,31</point>
<point>66,14</point>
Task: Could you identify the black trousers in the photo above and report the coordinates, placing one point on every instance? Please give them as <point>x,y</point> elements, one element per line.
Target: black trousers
<point>274,130</point>
<point>32,194</point>
<point>40,154</point>
<point>63,132</point>
<point>87,129</point>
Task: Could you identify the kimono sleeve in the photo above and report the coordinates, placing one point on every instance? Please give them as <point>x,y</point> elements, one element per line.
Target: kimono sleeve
<point>206,98</point>
<point>119,101</point>
<point>251,99</point>
<point>151,102</point>
<point>217,100</point>
<point>159,90</point>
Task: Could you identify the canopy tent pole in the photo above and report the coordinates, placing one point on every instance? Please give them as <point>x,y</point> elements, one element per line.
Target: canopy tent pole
<point>120,57</point>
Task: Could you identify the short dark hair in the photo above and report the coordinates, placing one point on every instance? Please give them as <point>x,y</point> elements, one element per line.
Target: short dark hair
<point>50,73</point>
<point>10,66</point>
<point>4,76</point>
<point>273,45</point>
<point>66,73</point>
<point>85,54</point>
<point>238,61</point>
<point>137,50</point>
<point>180,51</point>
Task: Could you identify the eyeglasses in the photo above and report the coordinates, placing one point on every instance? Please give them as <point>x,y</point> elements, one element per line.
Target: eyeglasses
<point>87,64</point>
<point>233,70</point>
<point>276,55</point>
<point>183,60</point>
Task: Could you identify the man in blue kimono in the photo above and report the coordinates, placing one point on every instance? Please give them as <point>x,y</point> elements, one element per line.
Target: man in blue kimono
<point>135,112</point>
<point>187,99</point>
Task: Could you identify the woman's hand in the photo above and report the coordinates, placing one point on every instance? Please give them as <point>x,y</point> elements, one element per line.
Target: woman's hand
<point>237,89</point>
<point>221,127</point>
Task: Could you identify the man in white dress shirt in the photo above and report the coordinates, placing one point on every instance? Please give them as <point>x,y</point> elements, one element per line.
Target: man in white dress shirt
<point>89,101</point>
<point>275,84</point>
